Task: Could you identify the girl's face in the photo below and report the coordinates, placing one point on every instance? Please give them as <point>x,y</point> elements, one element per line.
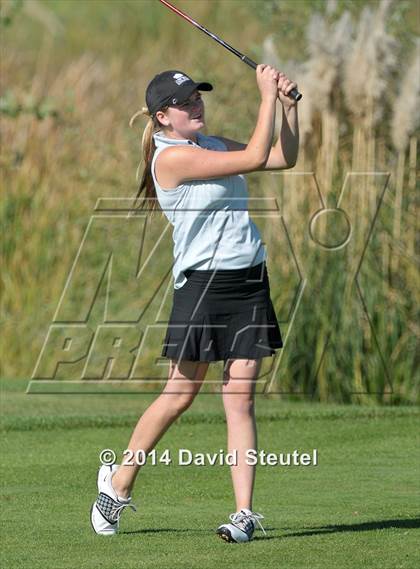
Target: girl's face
<point>185,119</point>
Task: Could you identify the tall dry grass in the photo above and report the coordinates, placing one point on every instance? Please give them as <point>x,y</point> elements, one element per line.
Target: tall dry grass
<point>404,130</point>
<point>363,104</point>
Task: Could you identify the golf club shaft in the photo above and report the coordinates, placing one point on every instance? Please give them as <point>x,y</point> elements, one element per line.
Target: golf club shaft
<point>294,93</point>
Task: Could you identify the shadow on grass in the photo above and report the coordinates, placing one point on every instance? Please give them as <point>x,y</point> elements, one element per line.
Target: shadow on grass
<point>189,530</point>
<point>410,523</point>
<point>162,530</point>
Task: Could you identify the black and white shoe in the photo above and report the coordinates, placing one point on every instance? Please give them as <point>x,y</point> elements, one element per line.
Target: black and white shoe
<point>242,527</point>
<point>107,508</point>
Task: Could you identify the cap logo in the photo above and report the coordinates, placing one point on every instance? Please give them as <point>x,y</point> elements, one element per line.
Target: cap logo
<point>180,79</point>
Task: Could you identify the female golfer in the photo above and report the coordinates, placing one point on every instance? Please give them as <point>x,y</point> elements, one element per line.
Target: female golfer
<point>222,310</point>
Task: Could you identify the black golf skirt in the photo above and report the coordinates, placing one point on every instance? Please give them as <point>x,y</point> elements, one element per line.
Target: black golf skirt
<point>223,314</point>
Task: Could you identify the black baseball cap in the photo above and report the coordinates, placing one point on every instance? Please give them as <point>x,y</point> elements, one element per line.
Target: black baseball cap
<point>171,88</point>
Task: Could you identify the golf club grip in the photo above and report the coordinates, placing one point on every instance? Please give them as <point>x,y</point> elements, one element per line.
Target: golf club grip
<point>294,93</point>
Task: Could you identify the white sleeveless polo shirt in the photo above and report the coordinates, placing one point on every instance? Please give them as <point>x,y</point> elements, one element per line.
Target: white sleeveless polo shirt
<point>211,224</point>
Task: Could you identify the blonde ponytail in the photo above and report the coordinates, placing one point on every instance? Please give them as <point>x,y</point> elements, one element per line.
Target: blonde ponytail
<point>149,201</point>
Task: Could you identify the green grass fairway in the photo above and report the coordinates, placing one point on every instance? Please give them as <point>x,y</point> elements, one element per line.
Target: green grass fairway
<point>359,508</point>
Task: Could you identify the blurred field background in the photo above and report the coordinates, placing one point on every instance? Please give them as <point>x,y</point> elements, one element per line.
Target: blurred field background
<point>72,75</point>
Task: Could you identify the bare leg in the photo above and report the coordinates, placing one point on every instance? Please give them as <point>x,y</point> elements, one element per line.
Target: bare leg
<point>183,384</point>
<point>238,401</point>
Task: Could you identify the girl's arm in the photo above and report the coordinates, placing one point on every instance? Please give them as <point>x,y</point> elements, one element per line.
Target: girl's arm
<point>284,153</point>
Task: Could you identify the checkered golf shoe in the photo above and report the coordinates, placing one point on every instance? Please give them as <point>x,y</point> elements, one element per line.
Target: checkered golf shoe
<point>242,527</point>
<point>107,508</point>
